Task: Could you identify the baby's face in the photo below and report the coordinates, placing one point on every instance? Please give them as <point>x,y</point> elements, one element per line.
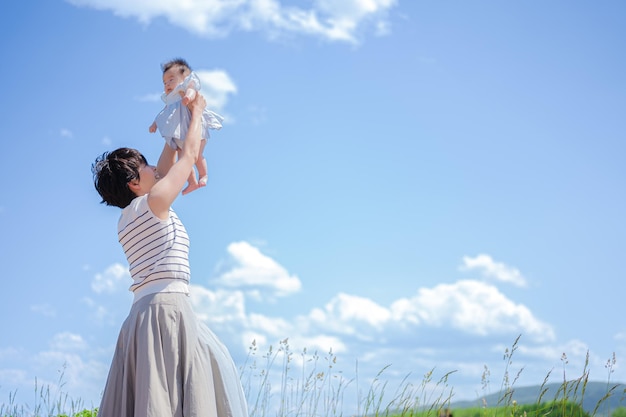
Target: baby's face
<point>171,78</point>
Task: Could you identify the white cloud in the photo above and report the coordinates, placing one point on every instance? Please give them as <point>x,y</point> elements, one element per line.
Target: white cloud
<point>351,315</point>
<point>492,269</point>
<point>469,307</point>
<point>321,342</point>
<point>570,359</point>
<point>114,278</point>
<point>327,19</point>
<point>67,341</point>
<point>75,372</point>
<point>346,15</point>
<point>218,306</point>
<point>275,327</point>
<point>451,326</point>
<point>216,87</point>
<point>472,307</point>
<point>256,270</point>
<point>15,377</point>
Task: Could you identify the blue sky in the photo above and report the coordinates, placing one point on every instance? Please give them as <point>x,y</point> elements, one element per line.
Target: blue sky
<point>407,183</point>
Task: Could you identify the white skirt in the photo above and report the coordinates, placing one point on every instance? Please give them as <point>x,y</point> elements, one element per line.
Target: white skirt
<point>169,364</point>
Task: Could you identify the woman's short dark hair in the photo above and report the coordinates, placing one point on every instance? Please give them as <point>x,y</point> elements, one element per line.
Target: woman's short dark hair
<point>112,171</point>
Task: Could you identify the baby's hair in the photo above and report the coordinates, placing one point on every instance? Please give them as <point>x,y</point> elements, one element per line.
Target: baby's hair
<point>176,62</point>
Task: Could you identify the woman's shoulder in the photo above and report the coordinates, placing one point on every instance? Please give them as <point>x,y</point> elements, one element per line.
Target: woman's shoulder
<point>137,208</point>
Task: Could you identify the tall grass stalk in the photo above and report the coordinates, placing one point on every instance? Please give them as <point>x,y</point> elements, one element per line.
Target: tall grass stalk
<point>315,389</point>
<point>308,385</point>
<point>49,402</point>
<point>283,383</point>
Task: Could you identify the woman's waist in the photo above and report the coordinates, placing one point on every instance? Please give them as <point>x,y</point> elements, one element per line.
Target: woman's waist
<point>178,285</point>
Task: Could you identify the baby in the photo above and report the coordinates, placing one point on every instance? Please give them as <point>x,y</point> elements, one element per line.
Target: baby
<point>181,85</point>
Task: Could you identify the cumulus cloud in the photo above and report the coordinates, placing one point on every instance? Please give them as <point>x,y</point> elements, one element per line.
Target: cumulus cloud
<point>491,269</point>
<point>272,328</point>
<point>67,341</point>
<point>469,308</point>
<point>327,19</point>
<point>351,315</point>
<point>472,307</point>
<point>111,280</point>
<point>254,270</point>
<point>218,306</point>
<point>458,326</point>
<point>79,373</point>
<point>217,86</point>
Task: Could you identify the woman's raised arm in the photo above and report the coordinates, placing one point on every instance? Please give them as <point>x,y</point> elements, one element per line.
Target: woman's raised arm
<point>165,191</point>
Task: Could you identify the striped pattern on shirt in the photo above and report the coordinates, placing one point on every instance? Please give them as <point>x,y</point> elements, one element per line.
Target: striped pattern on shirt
<point>156,249</point>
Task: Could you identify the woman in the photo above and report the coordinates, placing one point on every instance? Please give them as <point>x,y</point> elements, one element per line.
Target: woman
<point>166,363</point>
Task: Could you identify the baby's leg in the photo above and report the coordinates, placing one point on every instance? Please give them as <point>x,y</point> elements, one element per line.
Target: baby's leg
<point>201,166</point>
<point>203,176</point>
<point>192,182</point>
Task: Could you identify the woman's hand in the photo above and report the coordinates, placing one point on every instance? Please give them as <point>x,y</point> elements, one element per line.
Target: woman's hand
<point>189,96</point>
<point>199,103</point>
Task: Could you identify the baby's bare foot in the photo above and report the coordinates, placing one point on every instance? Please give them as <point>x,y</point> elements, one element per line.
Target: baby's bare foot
<point>191,186</point>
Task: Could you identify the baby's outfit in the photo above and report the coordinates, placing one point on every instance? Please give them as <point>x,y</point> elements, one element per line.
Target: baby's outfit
<point>173,121</point>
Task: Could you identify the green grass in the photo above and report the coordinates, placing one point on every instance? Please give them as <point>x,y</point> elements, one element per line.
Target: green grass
<point>284,383</point>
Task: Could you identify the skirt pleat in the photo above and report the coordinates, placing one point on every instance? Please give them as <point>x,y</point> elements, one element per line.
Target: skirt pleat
<point>169,364</point>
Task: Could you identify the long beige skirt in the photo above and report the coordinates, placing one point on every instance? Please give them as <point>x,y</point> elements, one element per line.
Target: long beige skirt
<point>169,364</point>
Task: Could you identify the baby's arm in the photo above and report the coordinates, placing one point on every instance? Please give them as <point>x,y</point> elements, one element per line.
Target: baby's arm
<point>153,127</point>
<point>190,93</point>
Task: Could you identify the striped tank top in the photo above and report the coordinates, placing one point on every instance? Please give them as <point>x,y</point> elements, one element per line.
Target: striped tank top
<point>157,250</point>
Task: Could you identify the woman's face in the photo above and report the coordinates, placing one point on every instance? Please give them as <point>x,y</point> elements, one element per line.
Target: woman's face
<point>147,178</point>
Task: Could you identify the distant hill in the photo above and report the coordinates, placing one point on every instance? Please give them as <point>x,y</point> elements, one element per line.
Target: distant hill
<point>594,392</point>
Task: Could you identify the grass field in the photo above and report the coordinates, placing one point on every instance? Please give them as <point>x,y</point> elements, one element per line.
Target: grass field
<point>282,383</point>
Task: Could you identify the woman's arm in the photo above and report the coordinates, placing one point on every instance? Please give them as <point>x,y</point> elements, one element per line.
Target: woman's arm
<point>165,191</point>
<point>166,160</point>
